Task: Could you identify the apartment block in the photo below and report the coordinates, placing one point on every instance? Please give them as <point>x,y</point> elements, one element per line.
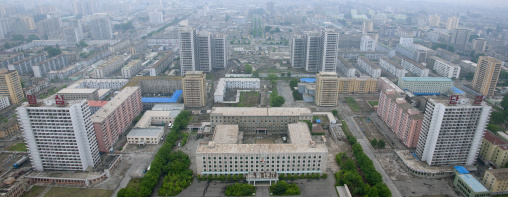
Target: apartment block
<point>327,85</point>
<point>328,50</point>
<point>101,28</point>
<point>313,51</point>
<point>10,85</point>
<point>452,23</point>
<point>131,69</point>
<point>426,85</point>
<point>113,84</point>
<point>415,67</point>
<point>58,62</point>
<point>234,83</point>
<point>59,135</point>
<point>259,120</point>
<point>219,51</point>
<point>79,94</point>
<point>225,154</point>
<point>392,67</point>
<point>468,66</point>
<point>369,67</point>
<point>116,116</point>
<point>24,66</point>
<point>479,44</point>
<point>194,89</point>
<point>486,75</point>
<point>401,117</point>
<point>494,150</point>
<point>443,67</point>
<point>9,129</point>
<point>355,85</point>
<point>4,102</point>
<point>452,131</point>
<point>298,51</point>
<point>496,180</point>
<point>202,51</point>
<point>447,55</point>
<point>7,58</point>
<point>316,52</point>
<point>110,67</point>
<point>162,64</point>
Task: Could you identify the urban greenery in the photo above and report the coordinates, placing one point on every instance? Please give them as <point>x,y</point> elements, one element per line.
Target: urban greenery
<point>221,177</point>
<point>275,99</point>
<point>499,118</point>
<point>378,144</point>
<point>302,176</point>
<point>18,147</point>
<point>282,188</point>
<point>52,51</point>
<point>124,26</point>
<point>166,162</point>
<point>352,104</point>
<point>335,112</point>
<point>238,189</point>
<point>248,69</point>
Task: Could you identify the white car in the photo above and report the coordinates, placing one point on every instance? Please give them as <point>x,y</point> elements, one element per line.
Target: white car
<point>170,125</point>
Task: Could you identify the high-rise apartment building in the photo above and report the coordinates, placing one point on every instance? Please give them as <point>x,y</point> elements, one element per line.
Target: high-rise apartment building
<point>486,75</point>
<point>367,26</point>
<point>101,28</point>
<point>367,44</point>
<point>434,20</point>
<point>59,134</point>
<point>319,51</point>
<point>327,86</point>
<point>10,85</point>
<point>202,51</point>
<point>29,22</point>
<point>194,89</point>
<point>155,18</point>
<point>479,44</point>
<point>460,36</point>
<point>452,23</point>
<point>452,131</point>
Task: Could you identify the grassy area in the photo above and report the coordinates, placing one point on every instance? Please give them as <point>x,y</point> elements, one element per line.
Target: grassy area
<point>268,70</point>
<point>248,99</point>
<point>209,77</point>
<point>372,103</point>
<point>18,147</point>
<point>345,128</point>
<point>322,118</point>
<point>353,104</point>
<point>134,183</point>
<point>78,192</point>
<point>34,191</point>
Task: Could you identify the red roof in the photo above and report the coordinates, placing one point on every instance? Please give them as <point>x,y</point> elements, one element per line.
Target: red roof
<point>96,103</point>
<point>492,138</point>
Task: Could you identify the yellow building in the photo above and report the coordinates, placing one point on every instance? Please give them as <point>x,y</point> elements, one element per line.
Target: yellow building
<point>494,150</point>
<point>354,85</point>
<point>194,89</point>
<point>327,84</point>
<point>486,75</point>
<point>29,22</point>
<point>9,128</point>
<point>496,180</point>
<point>10,85</point>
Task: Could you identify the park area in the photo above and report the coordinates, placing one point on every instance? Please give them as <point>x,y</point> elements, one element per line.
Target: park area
<point>18,147</point>
<point>248,99</point>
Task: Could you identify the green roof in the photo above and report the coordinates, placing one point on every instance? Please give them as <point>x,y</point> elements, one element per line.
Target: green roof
<point>435,79</point>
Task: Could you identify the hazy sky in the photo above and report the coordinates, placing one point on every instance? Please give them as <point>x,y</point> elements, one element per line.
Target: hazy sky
<point>503,3</point>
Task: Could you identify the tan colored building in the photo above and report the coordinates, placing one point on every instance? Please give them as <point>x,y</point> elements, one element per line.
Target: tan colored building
<point>29,22</point>
<point>194,89</point>
<point>354,85</point>
<point>327,84</point>
<point>496,180</point>
<point>9,128</point>
<point>494,150</point>
<point>10,85</point>
<point>486,75</point>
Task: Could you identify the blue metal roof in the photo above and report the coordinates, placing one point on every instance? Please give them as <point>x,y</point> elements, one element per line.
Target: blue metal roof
<point>425,94</point>
<point>433,79</point>
<point>308,80</point>
<point>473,183</point>
<point>456,90</point>
<point>318,120</point>
<point>172,99</point>
<point>461,169</point>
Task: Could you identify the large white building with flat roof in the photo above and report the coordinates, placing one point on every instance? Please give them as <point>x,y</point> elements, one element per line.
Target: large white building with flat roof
<point>426,85</point>
<point>59,137</point>
<point>225,154</point>
<point>151,135</point>
<point>234,83</point>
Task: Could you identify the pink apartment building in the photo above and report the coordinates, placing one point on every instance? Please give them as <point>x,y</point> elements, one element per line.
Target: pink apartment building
<point>111,120</point>
<point>402,118</point>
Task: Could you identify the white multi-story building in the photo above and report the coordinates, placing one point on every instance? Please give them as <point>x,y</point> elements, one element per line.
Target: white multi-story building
<point>452,23</point>
<point>155,18</point>
<point>225,154</point>
<point>4,102</point>
<point>443,67</point>
<point>367,44</point>
<point>113,84</point>
<point>392,67</point>
<point>468,66</point>
<point>234,83</point>
<point>329,48</point>
<point>110,67</point>
<point>298,51</point>
<point>202,51</point>
<point>131,69</point>
<point>347,69</point>
<point>415,67</point>
<point>370,68</point>
<point>59,136</point>
<point>426,85</point>
<point>452,131</point>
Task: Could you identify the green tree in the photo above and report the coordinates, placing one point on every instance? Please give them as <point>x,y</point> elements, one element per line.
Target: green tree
<point>493,128</point>
<point>374,142</point>
<point>268,28</point>
<point>255,74</point>
<point>272,76</point>
<point>248,69</point>
<point>18,37</point>
<point>52,51</point>
<point>289,74</point>
<point>497,117</point>
<point>381,144</point>
<point>335,112</point>
<point>504,102</point>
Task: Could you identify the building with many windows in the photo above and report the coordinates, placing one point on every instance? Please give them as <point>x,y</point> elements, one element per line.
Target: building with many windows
<point>194,89</point>
<point>496,180</point>
<point>327,85</point>
<point>392,67</point>
<point>225,154</point>
<point>452,23</point>
<point>59,135</point>
<point>452,131</point>
<point>358,85</point>
<point>202,51</point>
<point>369,67</point>
<point>110,67</point>
<point>426,85</point>
<point>443,67</point>
<point>345,67</point>
<point>259,120</point>
<point>318,51</point>
<point>486,75</point>
<point>234,83</point>
<point>131,69</point>
<point>414,67</point>
<point>494,150</point>
<point>10,85</point>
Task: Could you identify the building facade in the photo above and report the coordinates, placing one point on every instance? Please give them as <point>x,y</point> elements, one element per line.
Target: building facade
<point>101,29</point>
<point>369,67</point>
<point>358,85</point>
<point>443,67</point>
<point>496,180</point>
<point>327,86</point>
<point>426,85</point>
<point>486,75</point>
<point>345,67</point>
<point>131,69</point>
<point>59,136</point>
<point>110,67</point>
<point>194,89</point>
<point>392,67</point>
<point>415,67</point>
<point>452,132</point>
<point>452,23</point>
<point>494,150</point>
<point>10,85</point>
<point>202,51</point>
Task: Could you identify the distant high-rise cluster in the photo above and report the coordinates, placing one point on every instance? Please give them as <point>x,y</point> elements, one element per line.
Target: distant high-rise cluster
<point>155,18</point>
<point>202,51</point>
<point>319,51</point>
<point>452,23</point>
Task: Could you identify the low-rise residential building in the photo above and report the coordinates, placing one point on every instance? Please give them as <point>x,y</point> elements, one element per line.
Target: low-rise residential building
<point>345,67</point>
<point>24,66</point>
<point>494,150</point>
<point>64,72</point>
<point>151,135</point>
<point>55,63</point>
<point>426,85</point>
<point>443,67</point>
<point>9,129</point>
<point>469,186</point>
<point>131,69</point>
<point>392,67</point>
<point>37,85</point>
<point>468,66</point>
<point>369,67</point>
<point>162,64</point>
<point>401,117</point>
<point>415,67</point>
<point>110,67</point>
<point>496,180</point>
<point>4,102</point>
<point>447,55</point>
<point>234,83</point>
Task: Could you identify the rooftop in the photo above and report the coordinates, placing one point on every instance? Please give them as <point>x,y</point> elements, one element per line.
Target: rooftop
<point>77,91</point>
<point>253,111</point>
<point>461,169</point>
<point>493,139</point>
<point>132,63</point>
<point>473,183</point>
<point>143,132</point>
<point>308,80</point>
<point>456,90</point>
<point>114,103</point>
<point>501,173</point>
<point>226,134</point>
<point>96,103</point>
<point>173,99</point>
<point>427,79</point>
<point>146,119</point>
